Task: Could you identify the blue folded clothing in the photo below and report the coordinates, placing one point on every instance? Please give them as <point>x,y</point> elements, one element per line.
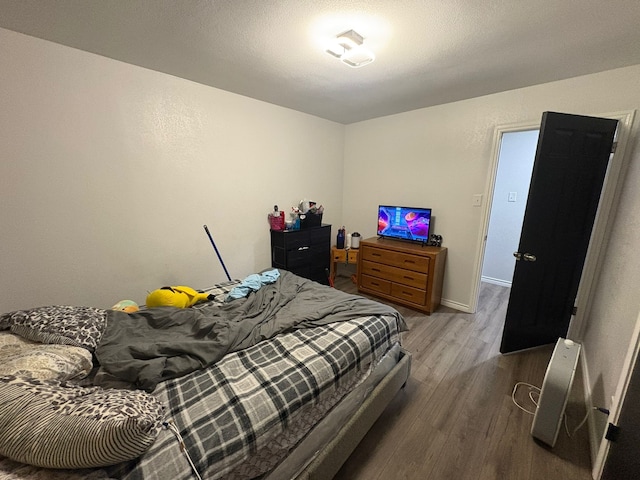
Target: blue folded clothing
<point>253,283</point>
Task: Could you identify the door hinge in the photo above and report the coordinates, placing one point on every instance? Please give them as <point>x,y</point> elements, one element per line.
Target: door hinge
<point>574,311</point>
<point>614,145</point>
<point>613,432</point>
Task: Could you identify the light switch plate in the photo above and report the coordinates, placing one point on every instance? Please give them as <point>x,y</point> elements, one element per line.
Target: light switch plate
<point>477,200</point>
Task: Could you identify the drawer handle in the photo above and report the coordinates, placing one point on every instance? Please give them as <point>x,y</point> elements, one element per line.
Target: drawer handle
<point>303,248</point>
<point>408,277</point>
<point>409,261</point>
<point>375,283</point>
<point>375,254</point>
<point>375,269</point>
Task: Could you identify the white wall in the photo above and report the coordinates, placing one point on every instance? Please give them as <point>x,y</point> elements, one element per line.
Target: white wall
<point>515,164</point>
<point>440,157</point>
<point>108,172</point>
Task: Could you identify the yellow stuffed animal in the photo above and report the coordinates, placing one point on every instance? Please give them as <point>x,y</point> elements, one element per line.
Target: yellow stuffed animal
<point>181,297</point>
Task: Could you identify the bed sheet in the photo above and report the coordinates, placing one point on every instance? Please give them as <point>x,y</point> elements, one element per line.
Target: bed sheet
<point>258,403</point>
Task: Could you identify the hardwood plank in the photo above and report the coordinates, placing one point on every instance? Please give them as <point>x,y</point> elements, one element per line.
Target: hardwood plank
<point>455,419</point>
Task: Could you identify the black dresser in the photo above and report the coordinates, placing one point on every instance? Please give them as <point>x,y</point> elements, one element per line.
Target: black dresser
<point>304,252</point>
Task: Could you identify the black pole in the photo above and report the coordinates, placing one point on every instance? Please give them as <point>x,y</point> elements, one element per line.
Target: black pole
<point>217,252</point>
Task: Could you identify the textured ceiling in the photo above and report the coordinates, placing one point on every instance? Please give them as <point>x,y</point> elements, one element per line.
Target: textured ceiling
<point>428,52</point>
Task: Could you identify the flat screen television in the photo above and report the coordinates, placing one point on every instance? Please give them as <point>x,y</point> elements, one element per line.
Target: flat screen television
<point>404,223</point>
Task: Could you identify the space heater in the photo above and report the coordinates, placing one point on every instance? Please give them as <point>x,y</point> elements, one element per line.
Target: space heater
<point>555,390</point>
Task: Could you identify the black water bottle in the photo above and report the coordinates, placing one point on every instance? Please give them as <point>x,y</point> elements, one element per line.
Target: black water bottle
<point>340,239</point>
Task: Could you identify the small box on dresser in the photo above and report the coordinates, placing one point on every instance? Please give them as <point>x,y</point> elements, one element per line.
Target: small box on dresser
<point>404,272</point>
<point>304,252</point>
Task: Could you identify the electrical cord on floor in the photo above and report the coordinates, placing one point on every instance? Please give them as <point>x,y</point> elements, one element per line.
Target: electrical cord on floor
<point>584,420</point>
<point>580,425</point>
<point>532,390</point>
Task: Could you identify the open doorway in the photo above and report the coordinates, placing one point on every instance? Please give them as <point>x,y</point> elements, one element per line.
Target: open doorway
<point>588,284</point>
<point>515,163</point>
<point>613,181</point>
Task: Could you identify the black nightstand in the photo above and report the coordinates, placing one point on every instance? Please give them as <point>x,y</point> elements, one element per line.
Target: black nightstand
<point>304,252</point>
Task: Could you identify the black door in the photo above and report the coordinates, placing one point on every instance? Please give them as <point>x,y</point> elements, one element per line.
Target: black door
<point>568,173</point>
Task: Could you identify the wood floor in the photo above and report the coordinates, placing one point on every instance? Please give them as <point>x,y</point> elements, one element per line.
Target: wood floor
<point>455,418</point>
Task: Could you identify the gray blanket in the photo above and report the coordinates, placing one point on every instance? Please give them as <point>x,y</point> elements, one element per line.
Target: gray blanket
<point>149,346</point>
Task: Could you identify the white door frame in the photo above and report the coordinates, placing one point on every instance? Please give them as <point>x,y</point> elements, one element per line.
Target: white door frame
<point>499,131</point>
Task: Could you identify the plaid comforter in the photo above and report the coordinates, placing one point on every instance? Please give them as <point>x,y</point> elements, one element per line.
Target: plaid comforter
<point>240,417</point>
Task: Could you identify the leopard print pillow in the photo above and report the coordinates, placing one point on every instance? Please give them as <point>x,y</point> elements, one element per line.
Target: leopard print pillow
<point>58,425</point>
<point>61,324</point>
<point>19,356</point>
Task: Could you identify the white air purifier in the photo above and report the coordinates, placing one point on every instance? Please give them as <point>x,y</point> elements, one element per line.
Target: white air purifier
<point>555,390</point>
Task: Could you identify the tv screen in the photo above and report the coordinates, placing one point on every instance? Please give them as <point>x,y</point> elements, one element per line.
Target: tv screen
<point>404,223</point>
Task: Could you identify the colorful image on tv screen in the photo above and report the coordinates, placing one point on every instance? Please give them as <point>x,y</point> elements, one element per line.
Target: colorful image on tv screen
<point>404,223</point>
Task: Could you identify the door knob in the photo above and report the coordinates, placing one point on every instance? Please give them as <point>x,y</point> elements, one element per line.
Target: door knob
<point>527,257</point>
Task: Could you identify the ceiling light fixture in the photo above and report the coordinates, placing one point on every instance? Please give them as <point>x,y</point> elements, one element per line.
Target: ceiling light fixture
<point>348,48</point>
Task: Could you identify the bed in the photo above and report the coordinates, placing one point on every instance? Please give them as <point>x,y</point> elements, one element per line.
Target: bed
<point>282,382</point>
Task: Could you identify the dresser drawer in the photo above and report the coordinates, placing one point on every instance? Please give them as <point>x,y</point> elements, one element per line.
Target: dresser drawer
<point>294,239</point>
<point>312,273</point>
<point>395,274</point>
<point>314,255</point>
<point>396,259</point>
<point>377,284</point>
<point>320,235</point>
<point>404,272</point>
<point>340,255</point>
<point>298,257</point>
<point>290,239</point>
<point>409,294</point>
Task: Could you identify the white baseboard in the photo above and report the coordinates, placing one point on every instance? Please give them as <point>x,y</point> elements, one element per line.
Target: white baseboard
<point>495,281</point>
<point>594,441</point>
<point>456,305</point>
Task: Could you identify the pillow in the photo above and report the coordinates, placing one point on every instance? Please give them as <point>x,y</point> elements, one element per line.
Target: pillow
<point>5,321</point>
<point>22,357</point>
<point>60,324</point>
<point>19,471</point>
<point>56,425</point>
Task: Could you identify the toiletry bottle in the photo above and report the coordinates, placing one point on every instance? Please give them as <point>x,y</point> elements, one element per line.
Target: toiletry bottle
<point>340,239</point>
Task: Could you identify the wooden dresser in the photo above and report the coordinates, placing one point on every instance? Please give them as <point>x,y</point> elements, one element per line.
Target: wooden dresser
<point>407,273</point>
